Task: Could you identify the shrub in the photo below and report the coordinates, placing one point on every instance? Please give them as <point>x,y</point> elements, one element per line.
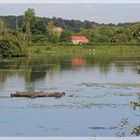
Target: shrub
<point>37,50</point>
<point>9,48</point>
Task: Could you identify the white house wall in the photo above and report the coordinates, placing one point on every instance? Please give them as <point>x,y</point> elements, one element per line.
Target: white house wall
<point>76,42</point>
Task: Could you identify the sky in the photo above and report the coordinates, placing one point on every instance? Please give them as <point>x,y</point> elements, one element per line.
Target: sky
<point>97,12</point>
<point>69,1</point>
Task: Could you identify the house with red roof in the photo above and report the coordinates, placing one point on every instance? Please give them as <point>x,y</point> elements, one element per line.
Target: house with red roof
<point>79,40</point>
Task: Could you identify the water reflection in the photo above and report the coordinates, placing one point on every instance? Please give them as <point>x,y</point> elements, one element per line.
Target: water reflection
<point>96,86</point>
<point>37,68</point>
<point>79,61</point>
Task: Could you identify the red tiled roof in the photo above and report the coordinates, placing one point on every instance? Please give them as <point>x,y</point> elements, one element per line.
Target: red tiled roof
<point>82,38</point>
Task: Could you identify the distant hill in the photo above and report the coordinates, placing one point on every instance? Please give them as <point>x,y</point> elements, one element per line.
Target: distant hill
<point>127,24</point>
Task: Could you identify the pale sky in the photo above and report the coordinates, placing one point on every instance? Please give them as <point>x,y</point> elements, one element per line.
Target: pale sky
<point>101,13</point>
<point>69,1</point>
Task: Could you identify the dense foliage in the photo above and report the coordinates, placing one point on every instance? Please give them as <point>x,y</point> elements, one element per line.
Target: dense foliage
<point>9,48</point>
<point>12,43</point>
<point>104,34</point>
<point>73,25</point>
<point>30,29</point>
<point>38,29</point>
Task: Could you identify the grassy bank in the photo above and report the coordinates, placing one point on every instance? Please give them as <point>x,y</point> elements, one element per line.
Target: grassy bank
<point>110,50</point>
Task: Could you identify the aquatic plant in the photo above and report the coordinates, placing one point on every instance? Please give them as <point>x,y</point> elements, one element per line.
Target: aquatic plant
<point>136,104</point>
<point>136,131</point>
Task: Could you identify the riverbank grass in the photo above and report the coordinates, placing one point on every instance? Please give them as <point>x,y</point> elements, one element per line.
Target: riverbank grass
<point>84,49</point>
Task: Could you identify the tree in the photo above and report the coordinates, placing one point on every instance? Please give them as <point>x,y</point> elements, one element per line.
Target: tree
<point>100,34</point>
<point>121,36</point>
<point>53,33</point>
<point>29,15</point>
<point>134,31</point>
<point>105,33</point>
<point>9,48</point>
<point>64,37</point>
<point>3,29</point>
<point>39,27</point>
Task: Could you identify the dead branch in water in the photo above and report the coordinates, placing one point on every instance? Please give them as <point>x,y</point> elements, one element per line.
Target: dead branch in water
<point>38,94</point>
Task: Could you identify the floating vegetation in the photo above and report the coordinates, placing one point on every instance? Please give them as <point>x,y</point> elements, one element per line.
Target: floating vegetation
<point>136,104</point>
<point>101,127</point>
<point>104,85</point>
<point>127,84</point>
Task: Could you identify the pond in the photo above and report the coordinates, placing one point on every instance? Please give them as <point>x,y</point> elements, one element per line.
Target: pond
<point>99,89</point>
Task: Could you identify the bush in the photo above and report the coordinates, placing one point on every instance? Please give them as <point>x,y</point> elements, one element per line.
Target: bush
<point>37,50</point>
<point>39,39</point>
<point>9,48</point>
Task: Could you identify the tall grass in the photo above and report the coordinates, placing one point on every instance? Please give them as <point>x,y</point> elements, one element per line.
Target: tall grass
<point>107,50</point>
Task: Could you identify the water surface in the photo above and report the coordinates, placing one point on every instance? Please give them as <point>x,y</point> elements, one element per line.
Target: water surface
<point>98,89</point>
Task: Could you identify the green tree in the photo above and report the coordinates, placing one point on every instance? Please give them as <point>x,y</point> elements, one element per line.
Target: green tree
<point>53,33</point>
<point>29,15</point>
<point>100,34</point>
<point>134,31</point>
<point>121,36</point>
<point>9,48</point>
<point>39,26</point>
<point>3,29</point>
<point>64,37</point>
<point>104,33</point>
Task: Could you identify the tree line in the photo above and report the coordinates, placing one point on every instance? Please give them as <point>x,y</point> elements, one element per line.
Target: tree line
<point>22,31</point>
